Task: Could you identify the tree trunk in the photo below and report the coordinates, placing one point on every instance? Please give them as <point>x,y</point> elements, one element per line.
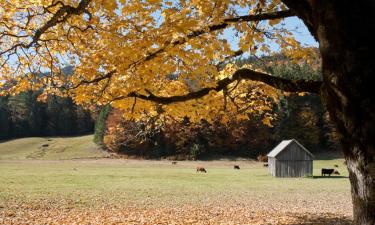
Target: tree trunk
<point>344,31</point>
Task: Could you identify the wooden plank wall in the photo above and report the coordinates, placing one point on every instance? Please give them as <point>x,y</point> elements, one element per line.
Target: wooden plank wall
<point>272,165</point>
<point>293,168</point>
<point>291,162</point>
<point>294,152</point>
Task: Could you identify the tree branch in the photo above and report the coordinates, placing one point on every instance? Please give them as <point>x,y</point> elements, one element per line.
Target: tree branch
<point>111,73</point>
<point>95,80</point>
<point>60,16</point>
<point>241,74</point>
<point>247,18</point>
<point>223,25</point>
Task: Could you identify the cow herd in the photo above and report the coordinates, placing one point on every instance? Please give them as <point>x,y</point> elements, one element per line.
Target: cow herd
<point>203,170</point>
<point>325,171</point>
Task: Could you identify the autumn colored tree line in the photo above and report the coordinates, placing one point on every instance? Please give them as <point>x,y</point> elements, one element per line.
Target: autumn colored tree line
<point>302,117</point>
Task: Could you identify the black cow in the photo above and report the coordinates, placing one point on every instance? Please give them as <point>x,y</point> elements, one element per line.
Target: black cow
<point>327,171</point>
<point>236,167</point>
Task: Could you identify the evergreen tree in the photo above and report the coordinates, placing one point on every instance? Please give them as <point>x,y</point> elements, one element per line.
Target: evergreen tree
<point>5,123</point>
<point>19,110</point>
<point>100,125</point>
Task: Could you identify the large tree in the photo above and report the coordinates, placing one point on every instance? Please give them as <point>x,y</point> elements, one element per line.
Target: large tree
<point>126,53</point>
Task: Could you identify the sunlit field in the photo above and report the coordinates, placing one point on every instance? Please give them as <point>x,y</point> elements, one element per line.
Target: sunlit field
<point>102,190</point>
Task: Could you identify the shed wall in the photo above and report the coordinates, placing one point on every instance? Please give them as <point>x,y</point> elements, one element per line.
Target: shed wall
<point>272,165</point>
<point>292,168</point>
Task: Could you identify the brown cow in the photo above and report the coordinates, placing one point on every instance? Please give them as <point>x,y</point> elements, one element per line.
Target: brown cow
<point>236,167</point>
<point>174,163</point>
<point>201,169</point>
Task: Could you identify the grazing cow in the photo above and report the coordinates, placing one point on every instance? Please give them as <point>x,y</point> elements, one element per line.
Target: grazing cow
<point>265,164</point>
<point>174,163</point>
<point>336,172</point>
<point>262,158</point>
<point>236,167</point>
<point>327,171</point>
<point>201,169</point>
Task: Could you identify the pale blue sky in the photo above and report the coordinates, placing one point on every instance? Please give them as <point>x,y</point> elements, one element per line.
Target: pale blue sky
<point>303,35</point>
<point>293,24</point>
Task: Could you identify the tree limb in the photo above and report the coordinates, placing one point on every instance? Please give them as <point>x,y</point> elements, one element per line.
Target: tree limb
<point>223,25</point>
<point>111,73</point>
<point>241,74</point>
<point>247,18</point>
<point>95,80</point>
<point>60,16</point>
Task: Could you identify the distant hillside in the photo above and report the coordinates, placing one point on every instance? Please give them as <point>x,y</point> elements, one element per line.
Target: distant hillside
<point>51,148</point>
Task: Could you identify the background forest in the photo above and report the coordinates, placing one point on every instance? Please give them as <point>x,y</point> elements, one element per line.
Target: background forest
<point>23,116</point>
<point>302,117</point>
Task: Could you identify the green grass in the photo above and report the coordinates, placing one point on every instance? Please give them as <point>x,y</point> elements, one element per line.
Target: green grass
<point>122,181</point>
<point>43,181</point>
<point>58,148</point>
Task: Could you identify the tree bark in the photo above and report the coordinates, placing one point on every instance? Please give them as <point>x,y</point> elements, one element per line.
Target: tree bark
<point>344,31</point>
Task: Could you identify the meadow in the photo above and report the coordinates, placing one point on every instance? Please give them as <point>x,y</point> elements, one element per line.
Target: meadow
<point>89,188</point>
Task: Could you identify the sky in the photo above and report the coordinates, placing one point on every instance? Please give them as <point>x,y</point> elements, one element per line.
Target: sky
<point>302,35</point>
<point>293,24</point>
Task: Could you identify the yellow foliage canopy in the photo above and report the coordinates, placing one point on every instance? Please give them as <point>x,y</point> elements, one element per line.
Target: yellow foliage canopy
<point>123,49</point>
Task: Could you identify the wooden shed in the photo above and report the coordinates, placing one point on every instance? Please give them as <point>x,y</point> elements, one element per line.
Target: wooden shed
<point>290,159</point>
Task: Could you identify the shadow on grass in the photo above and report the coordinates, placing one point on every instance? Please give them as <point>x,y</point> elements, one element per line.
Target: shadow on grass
<point>329,177</point>
<point>322,220</point>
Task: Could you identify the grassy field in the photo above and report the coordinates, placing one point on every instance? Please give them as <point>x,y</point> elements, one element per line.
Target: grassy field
<point>39,190</point>
<point>50,148</point>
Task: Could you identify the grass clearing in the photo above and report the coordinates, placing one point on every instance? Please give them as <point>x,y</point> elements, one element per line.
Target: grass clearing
<point>54,148</point>
<point>102,191</point>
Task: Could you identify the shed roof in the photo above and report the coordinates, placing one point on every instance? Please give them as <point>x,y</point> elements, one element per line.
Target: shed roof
<point>280,147</point>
